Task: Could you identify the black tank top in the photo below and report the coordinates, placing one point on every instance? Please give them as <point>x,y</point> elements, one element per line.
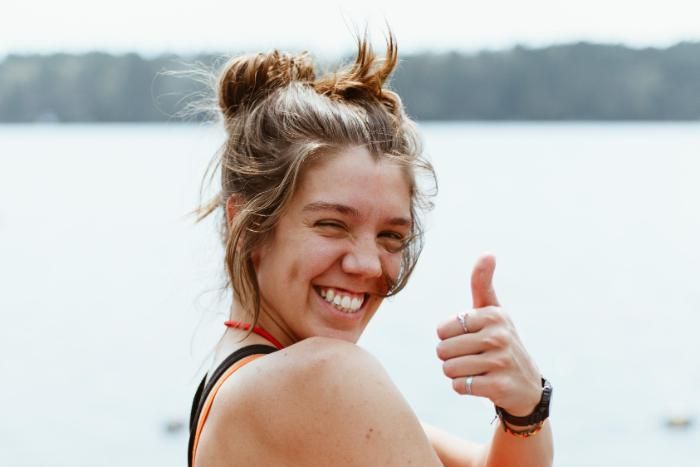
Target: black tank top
<point>205,387</point>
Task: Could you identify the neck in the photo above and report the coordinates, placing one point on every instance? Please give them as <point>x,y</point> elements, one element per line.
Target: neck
<point>273,326</point>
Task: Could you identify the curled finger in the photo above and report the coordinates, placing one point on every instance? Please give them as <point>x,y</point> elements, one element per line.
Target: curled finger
<point>474,321</point>
<point>469,344</point>
<point>456,325</point>
<point>465,365</point>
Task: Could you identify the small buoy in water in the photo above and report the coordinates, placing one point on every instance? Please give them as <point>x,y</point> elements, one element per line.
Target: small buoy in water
<point>174,426</point>
<point>679,422</point>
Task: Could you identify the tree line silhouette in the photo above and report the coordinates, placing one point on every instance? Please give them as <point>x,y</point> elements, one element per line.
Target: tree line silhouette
<point>580,81</point>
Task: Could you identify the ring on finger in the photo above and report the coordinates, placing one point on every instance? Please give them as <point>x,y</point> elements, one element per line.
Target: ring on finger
<point>462,318</point>
<point>468,384</point>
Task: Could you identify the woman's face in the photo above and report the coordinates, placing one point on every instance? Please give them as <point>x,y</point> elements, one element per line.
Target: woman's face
<point>336,248</point>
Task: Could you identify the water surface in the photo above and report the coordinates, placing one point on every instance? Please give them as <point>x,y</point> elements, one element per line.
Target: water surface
<point>110,304</point>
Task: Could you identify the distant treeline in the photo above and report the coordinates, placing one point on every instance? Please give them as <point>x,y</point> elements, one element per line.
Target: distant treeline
<point>566,82</point>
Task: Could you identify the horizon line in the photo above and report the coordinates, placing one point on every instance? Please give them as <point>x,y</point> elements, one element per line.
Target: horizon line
<point>155,53</point>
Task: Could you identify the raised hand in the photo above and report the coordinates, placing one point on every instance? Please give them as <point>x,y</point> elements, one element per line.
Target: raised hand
<point>487,349</point>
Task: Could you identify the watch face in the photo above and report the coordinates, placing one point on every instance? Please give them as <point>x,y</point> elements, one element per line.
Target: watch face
<point>547,391</point>
<point>546,396</point>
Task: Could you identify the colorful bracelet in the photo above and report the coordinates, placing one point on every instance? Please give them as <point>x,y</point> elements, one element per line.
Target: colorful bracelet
<point>523,433</point>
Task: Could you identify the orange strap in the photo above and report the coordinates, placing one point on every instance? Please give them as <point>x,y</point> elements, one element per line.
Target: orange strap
<point>210,398</point>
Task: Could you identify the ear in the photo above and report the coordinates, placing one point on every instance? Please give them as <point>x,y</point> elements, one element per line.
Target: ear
<point>233,204</point>
<point>255,256</point>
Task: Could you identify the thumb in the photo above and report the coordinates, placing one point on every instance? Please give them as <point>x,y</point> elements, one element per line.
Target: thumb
<point>483,293</point>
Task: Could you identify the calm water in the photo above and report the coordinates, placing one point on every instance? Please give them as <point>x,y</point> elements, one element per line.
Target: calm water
<point>109,301</point>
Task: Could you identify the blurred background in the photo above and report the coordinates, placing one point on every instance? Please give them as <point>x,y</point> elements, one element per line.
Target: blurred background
<point>566,139</point>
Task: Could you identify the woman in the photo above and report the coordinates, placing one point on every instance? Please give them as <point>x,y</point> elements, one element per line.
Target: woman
<point>321,224</point>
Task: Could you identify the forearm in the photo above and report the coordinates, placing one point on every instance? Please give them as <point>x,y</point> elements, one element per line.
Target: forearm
<point>452,450</point>
<point>507,450</point>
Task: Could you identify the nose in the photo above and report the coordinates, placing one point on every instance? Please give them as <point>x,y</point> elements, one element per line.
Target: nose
<point>363,259</point>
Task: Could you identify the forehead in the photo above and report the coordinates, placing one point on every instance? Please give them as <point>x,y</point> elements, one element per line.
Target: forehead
<point>352,176</point>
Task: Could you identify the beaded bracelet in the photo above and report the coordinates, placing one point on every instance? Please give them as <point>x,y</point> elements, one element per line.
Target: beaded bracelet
<point>523,433</point>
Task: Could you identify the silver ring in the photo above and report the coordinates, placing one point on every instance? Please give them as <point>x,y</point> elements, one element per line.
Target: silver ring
<point>462,318</point>
<point>468,384</point>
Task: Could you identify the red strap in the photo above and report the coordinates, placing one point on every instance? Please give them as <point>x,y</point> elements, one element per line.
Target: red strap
<point>257,330</point>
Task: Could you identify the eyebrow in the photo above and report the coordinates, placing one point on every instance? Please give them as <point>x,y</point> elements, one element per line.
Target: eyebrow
<point>350,211</point>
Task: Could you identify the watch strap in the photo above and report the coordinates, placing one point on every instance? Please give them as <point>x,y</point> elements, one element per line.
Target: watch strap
<point>538,415</point>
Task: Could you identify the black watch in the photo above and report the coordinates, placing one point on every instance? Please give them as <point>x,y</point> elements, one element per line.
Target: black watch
<point>538,415</point>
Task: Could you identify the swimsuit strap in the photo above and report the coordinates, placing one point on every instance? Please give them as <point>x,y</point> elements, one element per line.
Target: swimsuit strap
<point>206,392</point>
<point>256,330</point>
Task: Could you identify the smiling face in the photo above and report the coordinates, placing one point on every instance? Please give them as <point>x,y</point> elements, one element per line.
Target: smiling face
<point>336,248</point>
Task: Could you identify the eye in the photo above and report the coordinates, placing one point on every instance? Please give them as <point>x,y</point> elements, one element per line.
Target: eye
<point>330,227</point>
<point>393,241</point>
<point>392,235</point>
<point>330,224</point>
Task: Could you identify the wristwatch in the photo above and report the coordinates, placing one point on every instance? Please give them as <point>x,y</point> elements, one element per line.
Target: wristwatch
<point>538,415</point>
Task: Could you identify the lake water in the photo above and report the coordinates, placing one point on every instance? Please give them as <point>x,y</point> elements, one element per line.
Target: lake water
<point>109,300</point>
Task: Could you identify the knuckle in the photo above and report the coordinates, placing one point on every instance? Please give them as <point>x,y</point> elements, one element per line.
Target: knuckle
<point>501,362</point>
<point>499,315</point>
<point>498,339</point>
<point>492,317</point>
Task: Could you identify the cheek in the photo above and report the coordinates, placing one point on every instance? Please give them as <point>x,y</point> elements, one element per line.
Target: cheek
<point>392,266</point>
<point>298,260</point>
<point>294,271</point>
<point>321,255</point>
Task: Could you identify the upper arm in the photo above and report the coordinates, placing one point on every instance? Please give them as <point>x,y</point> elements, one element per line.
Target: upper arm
<point>324,402</point>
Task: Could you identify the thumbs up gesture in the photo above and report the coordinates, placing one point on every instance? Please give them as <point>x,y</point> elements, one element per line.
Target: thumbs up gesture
<point>482,353</point>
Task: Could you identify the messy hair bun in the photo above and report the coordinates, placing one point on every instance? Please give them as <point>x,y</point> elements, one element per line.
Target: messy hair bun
<point>365,79</point>
<point>250,78</point>
<point>278,116</point>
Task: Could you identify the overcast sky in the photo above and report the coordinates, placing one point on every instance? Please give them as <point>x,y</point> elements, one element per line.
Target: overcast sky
<point>322,26</point>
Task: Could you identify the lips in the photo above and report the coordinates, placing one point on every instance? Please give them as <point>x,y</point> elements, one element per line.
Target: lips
<point>342,300</point>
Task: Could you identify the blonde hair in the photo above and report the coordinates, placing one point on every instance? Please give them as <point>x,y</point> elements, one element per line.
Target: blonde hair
<point>278,117</point>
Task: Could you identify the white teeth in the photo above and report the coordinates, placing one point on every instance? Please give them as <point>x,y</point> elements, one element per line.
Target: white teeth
<point>343,303</point>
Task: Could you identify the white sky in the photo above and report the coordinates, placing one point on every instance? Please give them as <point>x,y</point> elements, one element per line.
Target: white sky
<point>154,26</point>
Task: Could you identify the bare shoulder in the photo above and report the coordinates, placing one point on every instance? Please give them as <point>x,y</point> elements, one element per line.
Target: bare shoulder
<point>318,402</point>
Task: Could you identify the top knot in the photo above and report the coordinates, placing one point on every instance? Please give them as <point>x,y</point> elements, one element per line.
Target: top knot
<point>365,78</point>
<point>250,78</point>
